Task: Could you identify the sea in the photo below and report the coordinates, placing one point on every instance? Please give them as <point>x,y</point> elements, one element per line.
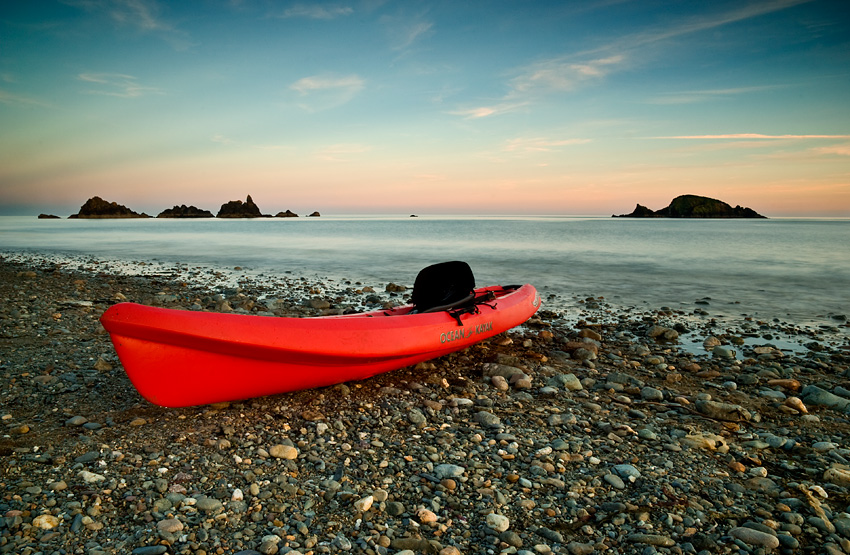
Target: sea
<point>791,269</point>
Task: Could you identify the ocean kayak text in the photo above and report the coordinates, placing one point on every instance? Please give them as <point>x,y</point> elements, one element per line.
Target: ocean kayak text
<point>455,335</point>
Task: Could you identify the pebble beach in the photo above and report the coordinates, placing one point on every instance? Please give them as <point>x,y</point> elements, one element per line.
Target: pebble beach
<point>594,430</point>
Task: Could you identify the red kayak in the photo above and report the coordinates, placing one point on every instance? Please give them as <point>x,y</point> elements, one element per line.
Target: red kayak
<point>179,358</point>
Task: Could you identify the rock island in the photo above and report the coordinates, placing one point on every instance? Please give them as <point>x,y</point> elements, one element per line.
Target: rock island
<point>693,206</point>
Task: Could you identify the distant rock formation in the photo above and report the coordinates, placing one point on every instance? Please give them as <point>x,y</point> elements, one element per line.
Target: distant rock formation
<point>693,206</point>
<point>96,207</point>
<point>641,211</point>
<point>184,211</point>
<point>239,209</point>
<point>48,217</point>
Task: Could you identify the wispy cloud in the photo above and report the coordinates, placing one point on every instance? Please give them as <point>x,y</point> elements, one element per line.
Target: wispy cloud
<point>539,144</point>
<point>739,136</point>
<point>410,34</point>
<point>145,16</point>
<point>316,11</point>
<point>142,14</point>
<point>541,79</point>
<point>321,92</point>
<point>691,97</point>
<point>700,23</point>
<point>273,147</point>
<point>404,32</point>
<point>221,139</point>
<point>840,150</point>
<point>567,73</point>
<point>341,152</point>
<point>117,84</point>
<point>486,111</point>
<point>326,82</point>
<point>14,99</point>
<point>561,75</point>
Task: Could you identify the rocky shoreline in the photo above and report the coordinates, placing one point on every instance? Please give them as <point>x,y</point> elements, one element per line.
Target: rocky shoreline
<point>585,433</point>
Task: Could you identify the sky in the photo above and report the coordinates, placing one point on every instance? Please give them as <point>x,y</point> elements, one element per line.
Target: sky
<point>405,107</point>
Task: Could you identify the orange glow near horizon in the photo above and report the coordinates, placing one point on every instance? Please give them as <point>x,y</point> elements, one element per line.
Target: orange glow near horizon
<point>567,108</point>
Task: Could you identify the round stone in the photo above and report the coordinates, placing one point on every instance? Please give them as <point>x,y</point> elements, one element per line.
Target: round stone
<point>416,418</point>
<point>364,503</point>
<point>755,538</point>
<point>488,419</point>
<point>615,481</point>
<point>281,451</point>
<point>169,525</point>
<point>425,516</point>
<point>394,508</point>
<point>498,522</point>
<point>208,504</point>
<point>651,394</point>
<point>45,522</point>
<point>627,471</point>
<point>723,352</point>
<point>76,421</point>
<point>448,471</point>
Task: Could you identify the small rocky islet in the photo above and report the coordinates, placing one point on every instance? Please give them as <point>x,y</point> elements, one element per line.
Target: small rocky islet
<point>594,432</point>
<point>97,208</point>
<point>693,206</point>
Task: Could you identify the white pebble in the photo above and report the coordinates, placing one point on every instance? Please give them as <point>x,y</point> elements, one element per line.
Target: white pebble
<point>91,477</point>
<point>425,516</point>
<point>45,522</point>
<point>499,523</point>
<point>364,504</point>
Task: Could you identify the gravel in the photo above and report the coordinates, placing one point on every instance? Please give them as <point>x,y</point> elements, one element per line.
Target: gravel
<point>596,431</point>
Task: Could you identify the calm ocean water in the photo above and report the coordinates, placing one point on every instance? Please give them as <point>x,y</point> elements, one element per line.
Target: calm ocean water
<point>792,269</point>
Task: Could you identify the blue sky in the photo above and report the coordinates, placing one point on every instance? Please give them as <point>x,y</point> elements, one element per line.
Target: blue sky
<point>425,107</point>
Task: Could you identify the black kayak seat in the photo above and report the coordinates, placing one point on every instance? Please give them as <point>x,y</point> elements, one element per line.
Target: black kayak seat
<point>443,286</point>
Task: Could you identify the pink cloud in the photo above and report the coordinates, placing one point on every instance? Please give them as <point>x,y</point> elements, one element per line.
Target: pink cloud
<point>755,136</point>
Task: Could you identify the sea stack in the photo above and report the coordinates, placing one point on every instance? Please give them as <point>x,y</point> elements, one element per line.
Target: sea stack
<point>96,207</point>
<point>239,209</point>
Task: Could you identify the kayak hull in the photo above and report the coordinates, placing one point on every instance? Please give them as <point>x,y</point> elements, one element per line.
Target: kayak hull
<point>178,358</point>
